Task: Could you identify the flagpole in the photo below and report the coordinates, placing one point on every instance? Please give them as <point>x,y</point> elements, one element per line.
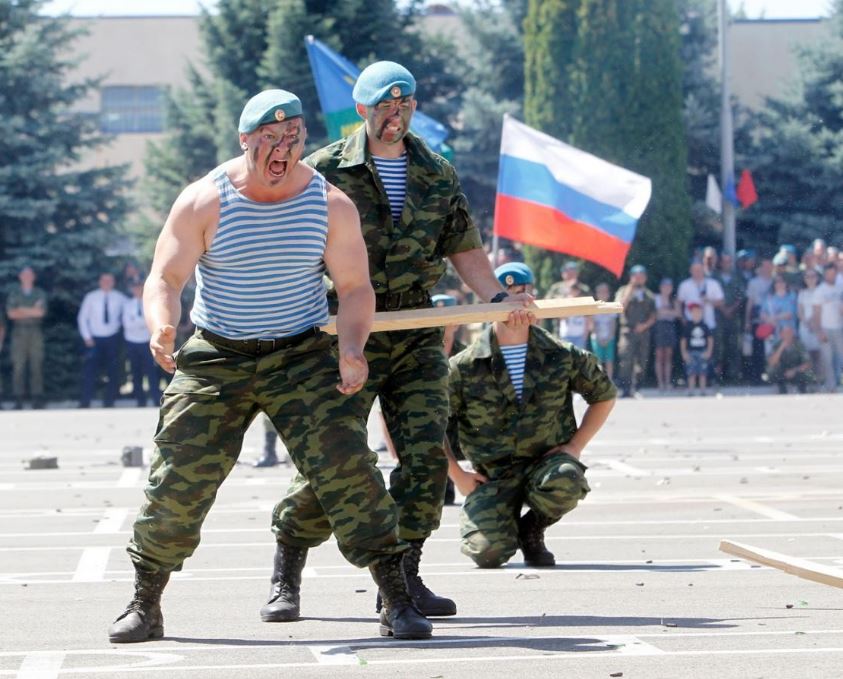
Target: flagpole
<point>727,141</point>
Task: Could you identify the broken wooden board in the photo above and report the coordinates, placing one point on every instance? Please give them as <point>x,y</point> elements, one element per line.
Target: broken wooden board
<point>411,319</point>
<point>825,575</point>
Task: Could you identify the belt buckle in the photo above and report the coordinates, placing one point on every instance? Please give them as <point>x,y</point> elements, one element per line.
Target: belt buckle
<point>265,346</point>
<point>388,305</point>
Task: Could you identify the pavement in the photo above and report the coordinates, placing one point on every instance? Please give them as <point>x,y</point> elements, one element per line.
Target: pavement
<point>640,589</point>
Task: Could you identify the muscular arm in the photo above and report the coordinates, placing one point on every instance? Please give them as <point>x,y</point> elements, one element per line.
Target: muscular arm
<point>474,268</point>
<point>179,247</point>
<point>348,266</point>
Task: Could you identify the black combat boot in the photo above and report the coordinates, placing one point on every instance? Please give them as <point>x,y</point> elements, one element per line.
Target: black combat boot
<point>399,616</point>
<point>428,603</point>
<point>531,541</point>
<point>269,458</point>
<point>283,604</point>
<point>142,619</point>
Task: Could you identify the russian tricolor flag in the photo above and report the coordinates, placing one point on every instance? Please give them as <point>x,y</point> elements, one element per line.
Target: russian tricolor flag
<point>559,198</point>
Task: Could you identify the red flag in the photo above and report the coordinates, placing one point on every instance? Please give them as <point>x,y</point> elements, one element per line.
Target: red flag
<point>746,190</point>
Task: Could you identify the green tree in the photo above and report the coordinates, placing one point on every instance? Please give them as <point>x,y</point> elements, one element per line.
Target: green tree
<point>616,65</point>
<point>491,63</point>
<point>256,44</point>
<point>54,215</point>
<point>798,157</point>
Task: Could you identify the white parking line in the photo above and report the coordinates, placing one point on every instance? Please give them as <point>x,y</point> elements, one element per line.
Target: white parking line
<point>334,655</point>
<point>92,564</point>
<point>623,467</point>
<point>756,507</point>
<point>590,645</point>
<point>128,479</point>
<point>41,665</point>
<point>112,521</point>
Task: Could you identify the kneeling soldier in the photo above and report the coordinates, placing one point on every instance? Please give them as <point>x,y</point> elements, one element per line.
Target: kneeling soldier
<point>512,399</point>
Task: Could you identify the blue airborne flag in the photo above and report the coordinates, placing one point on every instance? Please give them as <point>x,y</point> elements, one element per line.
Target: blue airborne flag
<point>335,77</point>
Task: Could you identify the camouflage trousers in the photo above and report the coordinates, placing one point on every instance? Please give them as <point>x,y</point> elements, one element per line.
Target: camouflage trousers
<point>551,486</point>
<point>206,409</point>
<point>408,372</point>
<point>27,352</point>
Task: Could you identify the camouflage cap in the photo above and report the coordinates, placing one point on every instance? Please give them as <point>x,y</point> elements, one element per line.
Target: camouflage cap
<point>383,80</point>
<point>514,273</point>
<point>270,106</point>
<point>638,268</point>
<point>443,300</point>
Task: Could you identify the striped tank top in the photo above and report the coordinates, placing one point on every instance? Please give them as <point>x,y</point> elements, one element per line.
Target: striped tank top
<point>262,277</point>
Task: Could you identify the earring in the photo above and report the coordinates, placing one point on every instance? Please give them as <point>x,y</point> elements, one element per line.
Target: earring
<point>245,147</point>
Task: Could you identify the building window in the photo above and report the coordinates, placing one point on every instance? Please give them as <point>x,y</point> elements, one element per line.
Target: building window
<point>132,109</point>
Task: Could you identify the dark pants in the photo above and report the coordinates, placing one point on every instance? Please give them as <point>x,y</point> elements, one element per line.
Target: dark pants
<point>102,356</point>
<point>142,364</point>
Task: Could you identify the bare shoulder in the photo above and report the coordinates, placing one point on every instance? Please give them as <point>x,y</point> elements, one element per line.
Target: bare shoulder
<point>198,202</point>
<point>341,209</point>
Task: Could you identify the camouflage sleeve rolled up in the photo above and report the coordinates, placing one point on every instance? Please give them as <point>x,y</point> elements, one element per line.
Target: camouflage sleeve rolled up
<point>459,232</point>
<point>589,379</point>
<point>455,389</point>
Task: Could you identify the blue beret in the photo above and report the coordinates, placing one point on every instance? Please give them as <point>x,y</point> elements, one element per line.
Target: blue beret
<point>383,80</point>
<point>270,106</point>
<point>514,273</point>
<point>443,300</point>
<point>780,258</point>
<point>787,247</point>
<point>638,268</point>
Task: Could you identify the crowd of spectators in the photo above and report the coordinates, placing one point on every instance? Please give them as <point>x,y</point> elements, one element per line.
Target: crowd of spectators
<point>746,320</point>
<point>749,320</point>
<point>113,336</point>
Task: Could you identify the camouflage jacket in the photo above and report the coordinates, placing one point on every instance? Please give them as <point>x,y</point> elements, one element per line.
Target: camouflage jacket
<point>435,222</point>
<point>493,424</point>
<point>17,299</point>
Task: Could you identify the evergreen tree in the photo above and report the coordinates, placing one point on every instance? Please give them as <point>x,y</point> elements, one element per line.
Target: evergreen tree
<point>615,64</point>
<point>491,62</point>
<point>798,158</point>
<point>258,44</point>
<point>56,217</point>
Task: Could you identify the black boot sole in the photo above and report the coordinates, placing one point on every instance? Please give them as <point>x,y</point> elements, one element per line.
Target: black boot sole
<point>280,617</point>
<point>386,631</point>
<point>156,633</point>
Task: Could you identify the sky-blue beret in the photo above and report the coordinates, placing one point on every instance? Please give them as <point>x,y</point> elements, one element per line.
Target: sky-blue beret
<point>270,106</point>
<point>383,80</point>
<point>514,273</point>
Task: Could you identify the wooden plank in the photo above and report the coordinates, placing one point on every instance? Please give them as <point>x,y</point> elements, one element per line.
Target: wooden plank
<point>802,568</point>
<point>411,319</point>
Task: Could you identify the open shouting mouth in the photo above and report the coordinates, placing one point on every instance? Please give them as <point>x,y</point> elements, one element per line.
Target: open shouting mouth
<point>278,168</point>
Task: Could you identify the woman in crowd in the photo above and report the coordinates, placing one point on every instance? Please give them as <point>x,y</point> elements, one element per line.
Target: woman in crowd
<point>807,323</point>
<point>668,312</point>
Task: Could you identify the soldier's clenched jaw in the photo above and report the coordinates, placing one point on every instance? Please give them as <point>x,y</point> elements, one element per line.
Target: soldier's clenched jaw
<point>389,120</point>
<point>273,150</point>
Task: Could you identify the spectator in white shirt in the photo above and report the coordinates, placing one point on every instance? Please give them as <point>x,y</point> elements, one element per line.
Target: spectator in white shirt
<point>756,291</point>
<point>702,290</point>
<point>828,301</point>
<point>136,336</point>
<point>99,321</point>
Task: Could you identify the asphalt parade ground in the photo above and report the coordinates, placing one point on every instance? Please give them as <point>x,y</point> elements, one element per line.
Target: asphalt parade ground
<point>640,589</point>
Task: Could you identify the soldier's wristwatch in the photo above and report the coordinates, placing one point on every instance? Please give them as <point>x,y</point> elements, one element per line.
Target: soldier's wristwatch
<point>500,297</point>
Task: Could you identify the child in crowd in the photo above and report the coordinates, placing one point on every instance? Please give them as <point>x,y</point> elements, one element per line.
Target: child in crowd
<point>697,344</point>
<point>604,328</point>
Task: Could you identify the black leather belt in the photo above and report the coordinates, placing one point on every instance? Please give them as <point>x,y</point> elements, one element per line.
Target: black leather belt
<point>393,301</point>
<point>256,347</point>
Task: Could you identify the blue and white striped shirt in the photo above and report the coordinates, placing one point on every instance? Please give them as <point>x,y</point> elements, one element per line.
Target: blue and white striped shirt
<point>515,356</point>
<point>262,277</point>
<point>393,174</point>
